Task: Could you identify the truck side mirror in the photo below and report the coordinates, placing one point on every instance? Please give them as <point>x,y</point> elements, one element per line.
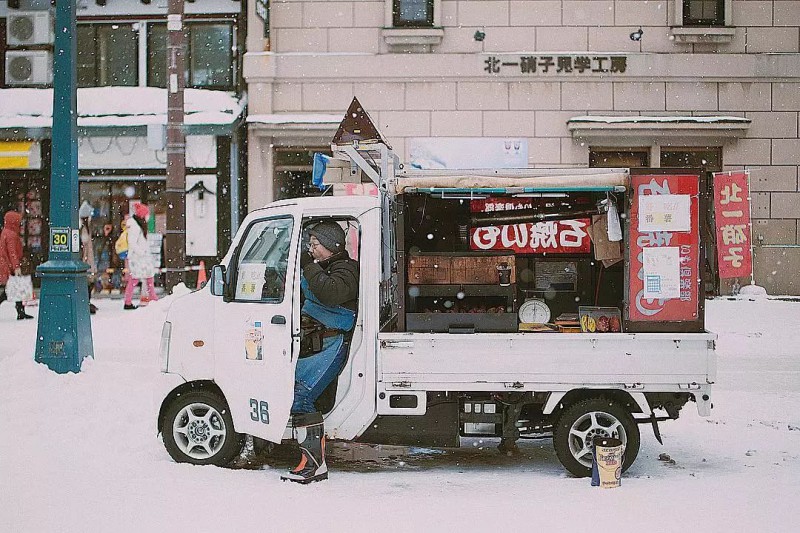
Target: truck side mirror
<point>218,280</point>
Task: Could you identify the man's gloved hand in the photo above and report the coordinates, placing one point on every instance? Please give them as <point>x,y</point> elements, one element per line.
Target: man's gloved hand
<point>306,258</point>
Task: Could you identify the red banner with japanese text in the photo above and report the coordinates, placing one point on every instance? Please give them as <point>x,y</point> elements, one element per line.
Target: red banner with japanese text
<point>732,215</point>
<point>552,237</point>
<point>664,248</point>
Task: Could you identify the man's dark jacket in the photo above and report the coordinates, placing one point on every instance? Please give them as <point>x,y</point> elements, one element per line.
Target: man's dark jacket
<point>334,281</point>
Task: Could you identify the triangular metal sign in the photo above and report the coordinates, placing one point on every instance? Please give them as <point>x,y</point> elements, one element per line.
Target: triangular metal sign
<point>357,126</point>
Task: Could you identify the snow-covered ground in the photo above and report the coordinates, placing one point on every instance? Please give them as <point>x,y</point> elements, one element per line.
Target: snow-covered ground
<point>79,453</point>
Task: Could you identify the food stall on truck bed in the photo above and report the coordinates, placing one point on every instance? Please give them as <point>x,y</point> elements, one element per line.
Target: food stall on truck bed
<point>510,303</point>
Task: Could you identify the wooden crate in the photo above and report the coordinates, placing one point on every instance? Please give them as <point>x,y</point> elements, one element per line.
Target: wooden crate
<point>429,269</point>
<point>470,270</point>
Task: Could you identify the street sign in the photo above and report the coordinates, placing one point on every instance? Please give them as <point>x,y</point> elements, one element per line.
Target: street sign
<point>60,239</point>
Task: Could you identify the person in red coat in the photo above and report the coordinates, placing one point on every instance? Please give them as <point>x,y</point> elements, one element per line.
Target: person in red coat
<point>11,256</point>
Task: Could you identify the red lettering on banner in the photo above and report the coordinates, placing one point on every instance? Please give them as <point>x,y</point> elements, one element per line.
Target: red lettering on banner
<point>732,210</point>
<point>556,237</point>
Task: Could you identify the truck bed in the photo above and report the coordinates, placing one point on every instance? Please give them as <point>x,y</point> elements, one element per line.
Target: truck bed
<point>545,361</point>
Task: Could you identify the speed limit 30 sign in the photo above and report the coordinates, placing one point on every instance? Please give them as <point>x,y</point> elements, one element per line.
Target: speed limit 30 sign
<point>64,240</point>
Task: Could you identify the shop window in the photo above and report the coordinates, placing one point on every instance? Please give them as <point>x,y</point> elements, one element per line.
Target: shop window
<point>703,12</point>
<point>108,54</point>
<point>209,55</point>
<point>412,13</point>
<point>708,158</point>
<point>293,172</point>
<point>412,25</point>
<point>619,157</point>
<point>703,21</point>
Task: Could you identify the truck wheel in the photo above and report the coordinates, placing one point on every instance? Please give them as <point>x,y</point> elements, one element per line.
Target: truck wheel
<point>587,419</point>
<point>198,429</point>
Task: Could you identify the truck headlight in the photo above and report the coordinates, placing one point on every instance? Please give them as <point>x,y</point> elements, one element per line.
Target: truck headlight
<point>163,352</point>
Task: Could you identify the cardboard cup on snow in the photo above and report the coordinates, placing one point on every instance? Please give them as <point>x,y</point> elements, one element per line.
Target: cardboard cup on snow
<point>607,459</point>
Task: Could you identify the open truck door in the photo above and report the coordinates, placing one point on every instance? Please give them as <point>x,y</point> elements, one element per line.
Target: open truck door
<point>257,323</point>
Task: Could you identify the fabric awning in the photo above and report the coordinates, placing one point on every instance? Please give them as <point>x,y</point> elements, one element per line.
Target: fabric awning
<point>556,182</point>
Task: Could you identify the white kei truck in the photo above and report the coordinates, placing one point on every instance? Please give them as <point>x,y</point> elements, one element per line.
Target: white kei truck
<point>435,357</point>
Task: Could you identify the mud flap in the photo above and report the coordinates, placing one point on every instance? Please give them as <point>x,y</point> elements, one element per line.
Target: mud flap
<point>656,431</point>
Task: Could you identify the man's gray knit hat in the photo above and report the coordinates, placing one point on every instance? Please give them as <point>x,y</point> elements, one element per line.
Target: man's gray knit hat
<point>329,234</point>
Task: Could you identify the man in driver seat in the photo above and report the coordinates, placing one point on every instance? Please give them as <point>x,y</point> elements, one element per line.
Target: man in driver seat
<point>329,283</point>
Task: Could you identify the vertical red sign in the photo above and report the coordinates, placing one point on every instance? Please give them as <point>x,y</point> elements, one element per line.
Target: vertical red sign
<point>684,307</point>
<point>732,214</point>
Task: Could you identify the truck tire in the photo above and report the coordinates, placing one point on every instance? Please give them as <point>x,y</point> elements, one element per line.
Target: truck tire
<point>586,419</point>
<point>198,429</point>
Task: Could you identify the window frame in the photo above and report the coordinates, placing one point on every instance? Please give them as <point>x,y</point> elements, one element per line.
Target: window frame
<point>688,20</point>
<point>96,70</point>
<point>412,38</point>
<point>233,266</point>
<point>430,19</point>
<point>189,77</point>
<point>633,151</point>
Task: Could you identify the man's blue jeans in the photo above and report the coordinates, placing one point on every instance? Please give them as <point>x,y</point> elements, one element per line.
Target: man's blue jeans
<point>313,374</point>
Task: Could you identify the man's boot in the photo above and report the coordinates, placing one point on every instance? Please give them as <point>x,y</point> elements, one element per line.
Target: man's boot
<point>310,435</point>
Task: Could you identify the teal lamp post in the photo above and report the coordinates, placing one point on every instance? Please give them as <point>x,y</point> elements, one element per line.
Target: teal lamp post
<point>64,337</point>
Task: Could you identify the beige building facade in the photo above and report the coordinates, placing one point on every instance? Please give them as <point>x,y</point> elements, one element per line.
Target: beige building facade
<point>659,83</point>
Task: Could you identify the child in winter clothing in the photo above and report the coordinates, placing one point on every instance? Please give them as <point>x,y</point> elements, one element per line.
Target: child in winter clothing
<point>11,257</point>
<point>140,260</point>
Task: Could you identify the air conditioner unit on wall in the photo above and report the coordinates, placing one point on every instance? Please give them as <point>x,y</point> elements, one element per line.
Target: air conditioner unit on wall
<point>27,28</point>
<point>29,67</point>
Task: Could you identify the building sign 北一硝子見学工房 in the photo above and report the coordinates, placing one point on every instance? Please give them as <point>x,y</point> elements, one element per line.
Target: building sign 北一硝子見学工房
<point>555,64</point>
<point>732,214</point>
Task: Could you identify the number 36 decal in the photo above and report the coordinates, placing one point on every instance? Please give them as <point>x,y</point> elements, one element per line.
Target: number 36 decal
<point>259,410</point>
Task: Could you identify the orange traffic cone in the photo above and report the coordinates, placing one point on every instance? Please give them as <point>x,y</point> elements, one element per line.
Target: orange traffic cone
<point>201,275</point>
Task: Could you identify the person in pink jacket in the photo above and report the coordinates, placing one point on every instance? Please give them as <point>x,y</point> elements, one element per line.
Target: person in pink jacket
<point>140,260</point>
<point>11,256</point>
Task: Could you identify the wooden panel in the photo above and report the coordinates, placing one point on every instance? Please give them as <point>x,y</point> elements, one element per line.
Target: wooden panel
<point>480,269</point>
<point>429,269</point>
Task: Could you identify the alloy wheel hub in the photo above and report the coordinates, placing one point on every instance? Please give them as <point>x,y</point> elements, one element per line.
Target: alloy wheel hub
<point>198,431</point>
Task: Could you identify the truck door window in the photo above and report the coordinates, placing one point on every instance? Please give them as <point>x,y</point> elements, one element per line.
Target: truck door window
<point>262,261</point>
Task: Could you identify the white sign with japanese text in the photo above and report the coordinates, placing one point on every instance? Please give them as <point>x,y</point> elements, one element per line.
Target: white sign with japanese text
<point>661,270</point>
<point>664,212</point>
<point>250,281</point>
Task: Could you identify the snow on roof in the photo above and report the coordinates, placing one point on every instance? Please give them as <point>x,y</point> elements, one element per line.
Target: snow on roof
<point>655,119</point>
<point>299,118</point>
<point>117,106</point>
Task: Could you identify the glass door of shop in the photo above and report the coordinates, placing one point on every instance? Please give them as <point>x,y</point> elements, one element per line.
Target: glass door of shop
<point>112,200</point>
<point>26,193</point>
